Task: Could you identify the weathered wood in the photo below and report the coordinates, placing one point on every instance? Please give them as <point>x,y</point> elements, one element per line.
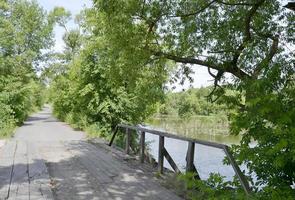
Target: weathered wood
<point>190,157</point>
<point>114,135</point>
<point>78,170</point>
<point>238,171</point>
<point>125,183</point>
<point>19,186</point>
<point>142,147</point>
<point>190,153</point>
<point>161,154</point>
<point>128,141</point>
<point>171,161</point>
<point>196,173</point>
<point>190,167</point>
<point>38,175</point>
<point>170,135</point>
<point>7,155</point>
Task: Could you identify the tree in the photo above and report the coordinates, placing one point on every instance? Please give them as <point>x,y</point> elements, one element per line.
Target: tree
<point>60,16</point>
<point>25,30</point>
<point>248,39</point>
<point>99,87</point>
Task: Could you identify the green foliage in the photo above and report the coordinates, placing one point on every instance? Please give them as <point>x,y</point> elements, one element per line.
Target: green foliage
<point>125,58</point>
<point>269,121</point>
<point>24,31</point>
<point>60,16</point>
<point>213,188</point>
<point>248,39</point>
<point>100,90</point>
<point>216,188</point>
<point>191,102</point>
<point>7,121</point>
<point>21,98</point>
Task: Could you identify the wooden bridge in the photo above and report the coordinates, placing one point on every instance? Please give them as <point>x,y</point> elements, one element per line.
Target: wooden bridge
<point>163,153</point>
<point>48,160</point>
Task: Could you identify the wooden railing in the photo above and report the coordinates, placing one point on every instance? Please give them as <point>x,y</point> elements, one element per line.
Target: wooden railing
<point>190,167</point>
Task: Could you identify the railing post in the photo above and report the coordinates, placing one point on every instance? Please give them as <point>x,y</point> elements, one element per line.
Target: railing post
<point>190,167</point>
<point>190,157</point>
<point>161,155</point>
<point>127,147</point>
<point>142,146</point>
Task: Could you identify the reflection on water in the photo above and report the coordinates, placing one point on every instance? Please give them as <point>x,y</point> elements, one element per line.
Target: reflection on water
<point>209,128</point>
<point>207,159</point>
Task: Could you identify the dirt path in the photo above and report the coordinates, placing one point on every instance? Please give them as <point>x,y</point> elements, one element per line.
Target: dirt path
<point>49,160</point>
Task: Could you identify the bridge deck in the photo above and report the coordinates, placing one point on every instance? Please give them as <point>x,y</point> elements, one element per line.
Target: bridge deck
<point>49,160</point>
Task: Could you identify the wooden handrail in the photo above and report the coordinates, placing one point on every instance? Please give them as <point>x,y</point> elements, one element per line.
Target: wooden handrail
<point>190,152</point>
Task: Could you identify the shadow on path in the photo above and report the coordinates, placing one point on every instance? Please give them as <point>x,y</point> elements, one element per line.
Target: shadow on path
<point>47,159</point>
<point>89,172</point>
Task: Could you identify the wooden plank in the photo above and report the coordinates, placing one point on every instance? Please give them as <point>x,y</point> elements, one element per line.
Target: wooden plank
<point>19,187</point>
<point>102,163</point>
<point>128,141</point>
<point>38,175</point>
<point>114,135</point>
<point>7,155</point>
<point>170,135</point>
<point>77,176</point>
<point>97,163</point>
<point>161,154</point>
<point>242,178</point>
<point>142,147</point>
<point>190,166</point>
<point>171,161</point>
<point>190,157</point>
<point>134,183</point>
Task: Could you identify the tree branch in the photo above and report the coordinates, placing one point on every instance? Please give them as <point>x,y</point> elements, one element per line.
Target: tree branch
<point>189,60</point>
<point>272,51</point>
<point>249,17</point>
<point>235,4</point>
<point>221,51</point>
<point>208,5</point>
<point>194,13</point>
<point>211,74</point>
<point>247,31</point>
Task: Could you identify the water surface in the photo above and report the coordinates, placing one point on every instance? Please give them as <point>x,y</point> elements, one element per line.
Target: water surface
<point>207,159</point>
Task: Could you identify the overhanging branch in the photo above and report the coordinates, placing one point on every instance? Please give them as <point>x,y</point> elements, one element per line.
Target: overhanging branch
<point>234,4</point>
<point>194,13</point>
<point>247,31</point>
<point>239,73</point>
<point>272,51</point>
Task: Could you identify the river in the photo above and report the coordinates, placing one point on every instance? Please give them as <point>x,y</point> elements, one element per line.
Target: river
<point>207,159</point>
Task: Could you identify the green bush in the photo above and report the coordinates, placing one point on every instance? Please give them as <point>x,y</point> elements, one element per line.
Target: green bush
<point>17,101</point>
<point>216,188</point>
<point>213,188</point>
<point>7,122</point>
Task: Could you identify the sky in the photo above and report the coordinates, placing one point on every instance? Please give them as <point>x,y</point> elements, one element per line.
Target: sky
<point>74,6</point>
<point>201,76</point>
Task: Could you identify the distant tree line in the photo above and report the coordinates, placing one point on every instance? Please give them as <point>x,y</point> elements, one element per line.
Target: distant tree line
<point>194,101</point>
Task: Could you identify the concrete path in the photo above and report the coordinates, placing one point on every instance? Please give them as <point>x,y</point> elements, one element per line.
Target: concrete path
<point>48,160</point>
